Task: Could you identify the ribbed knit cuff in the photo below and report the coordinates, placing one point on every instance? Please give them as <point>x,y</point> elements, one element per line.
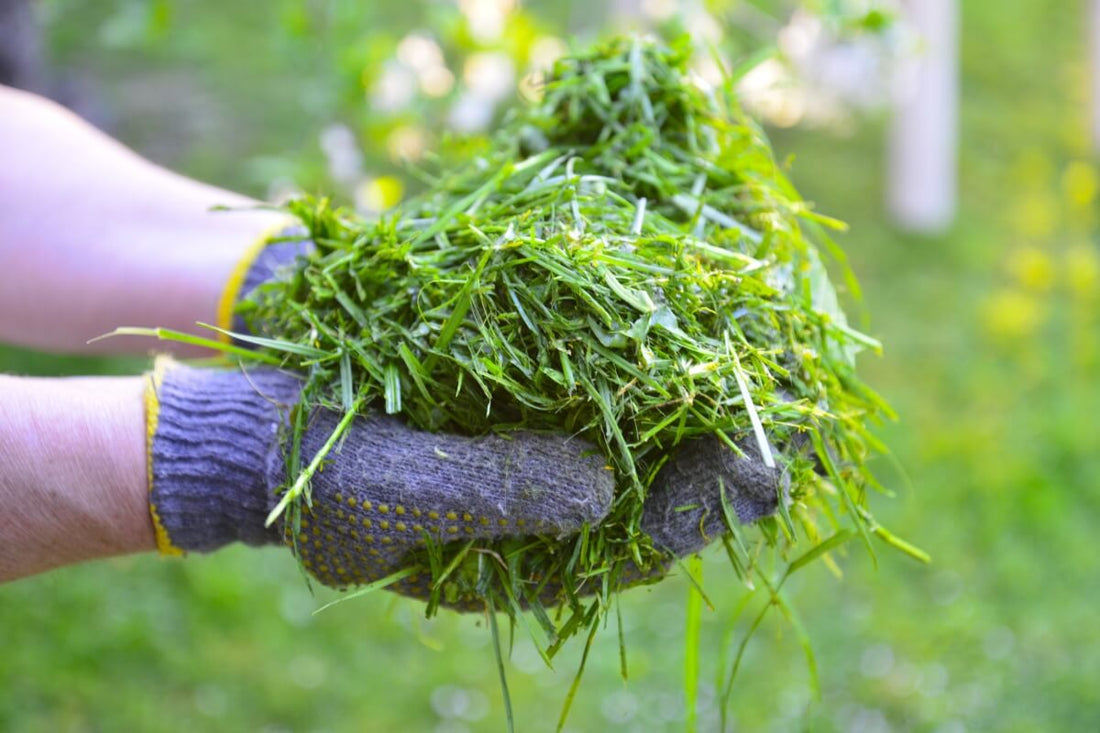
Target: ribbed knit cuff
<point>213,434</point>
<point>274,262</point>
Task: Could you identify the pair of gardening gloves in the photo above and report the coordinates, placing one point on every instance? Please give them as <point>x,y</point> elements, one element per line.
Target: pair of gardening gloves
<point>217,455</point>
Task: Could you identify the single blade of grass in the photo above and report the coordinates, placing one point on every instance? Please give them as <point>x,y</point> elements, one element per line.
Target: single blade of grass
<point>458,313</point>
<point>454,563</point>
<point>826,545</point>
<point>898,543</point>
<point>167,334</point>
<point>303,478</point>
<point>842,488</point>
<point>370,587</point>
<point>720,670</point>
<point>727,690</point>
<point>623,671</point>
<point>803,636</point>
<point>392,390</point>
<point>347,386</point>
<point>506,698</point>
<point>594,625</point>
<point>691,642</point>
<point>754,416</point>
<point>288,347</point>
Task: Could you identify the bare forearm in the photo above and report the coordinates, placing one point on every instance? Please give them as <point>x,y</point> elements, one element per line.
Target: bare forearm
<point>92,236</point>
<point>72,472</point>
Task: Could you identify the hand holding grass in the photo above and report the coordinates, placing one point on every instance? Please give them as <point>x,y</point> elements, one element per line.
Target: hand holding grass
<point>219,451</point>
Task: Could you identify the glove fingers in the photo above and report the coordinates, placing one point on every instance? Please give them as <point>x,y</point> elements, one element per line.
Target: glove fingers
<point>683,510</point>
<point>387,488</point>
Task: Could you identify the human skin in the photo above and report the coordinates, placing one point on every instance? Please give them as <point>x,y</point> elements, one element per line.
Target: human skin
<point>72,472</point>
<point>93,237</point>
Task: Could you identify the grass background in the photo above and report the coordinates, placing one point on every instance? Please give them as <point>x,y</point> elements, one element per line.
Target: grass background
<point>991,335</point>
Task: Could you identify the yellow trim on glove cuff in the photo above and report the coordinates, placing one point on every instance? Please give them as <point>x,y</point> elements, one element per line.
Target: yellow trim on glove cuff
<point>153,381</point>
<point>232,291</point>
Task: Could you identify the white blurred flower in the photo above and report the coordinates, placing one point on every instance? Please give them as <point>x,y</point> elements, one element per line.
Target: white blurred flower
<point>453,702</point>
<point>933,680</point>
<point>407,143</point>
<point>659,9</point>
<point>341,149</point>
<point>620,707</point>
<point>470,113</point>
<point>825,73</point>
<point>999,642</point>
<point>280,191</point>
<point>375,195</point>
<point>769,90</point>
<point>436,81</point>
<point>877,661</point>
<point>545,51</point>
<point>851,69</point>
<point>419,52</point>
<point>395,87</point>
<point>709,70</point>
<point>490,75</point>
<point>701,25</point>
<point>308,671</point>
<point>485,18</point>
<point>526,658</point>
<point>424,57</point>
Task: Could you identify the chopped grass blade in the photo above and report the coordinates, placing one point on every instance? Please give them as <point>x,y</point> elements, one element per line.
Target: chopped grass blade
<point>498,653</point>
<point>691,641</point>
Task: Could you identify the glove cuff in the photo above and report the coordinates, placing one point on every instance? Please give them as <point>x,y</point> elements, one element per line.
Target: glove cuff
<point>267,259</point>
<point>211,436</point>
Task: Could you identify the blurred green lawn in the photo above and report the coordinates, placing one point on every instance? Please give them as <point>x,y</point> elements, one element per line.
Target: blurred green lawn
<point>992,355</point>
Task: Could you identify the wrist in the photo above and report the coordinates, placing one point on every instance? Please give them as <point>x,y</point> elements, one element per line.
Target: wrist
<point>72,469</point>
<point>213,436</point>
<point>268,258</point>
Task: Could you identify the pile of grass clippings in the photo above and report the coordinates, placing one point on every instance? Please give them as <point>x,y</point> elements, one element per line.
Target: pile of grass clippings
<point>625,262</point>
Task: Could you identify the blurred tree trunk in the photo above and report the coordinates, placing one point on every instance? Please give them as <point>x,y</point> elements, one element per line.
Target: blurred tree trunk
<point>22,63</point>
<point>922,157</point>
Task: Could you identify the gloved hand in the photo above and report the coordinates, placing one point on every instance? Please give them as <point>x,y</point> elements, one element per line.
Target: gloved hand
<point>216,456</point>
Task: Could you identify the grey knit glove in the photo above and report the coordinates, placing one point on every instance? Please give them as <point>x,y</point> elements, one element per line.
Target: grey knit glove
<point>684,511</point>
<point>216,459</point>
